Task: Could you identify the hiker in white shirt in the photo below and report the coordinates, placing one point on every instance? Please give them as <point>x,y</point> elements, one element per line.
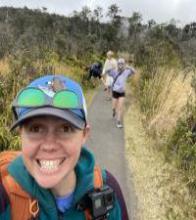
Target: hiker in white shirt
<point>110,63</point>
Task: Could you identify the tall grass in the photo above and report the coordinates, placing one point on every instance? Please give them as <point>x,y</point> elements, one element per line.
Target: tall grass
<point>168,102</point>
<point>165,97</point>
<point>4,66</point>
<point>154,91</point>
<point>181,145</point>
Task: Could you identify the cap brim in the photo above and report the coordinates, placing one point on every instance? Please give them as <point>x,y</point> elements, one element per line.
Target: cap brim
<point>63,114</point>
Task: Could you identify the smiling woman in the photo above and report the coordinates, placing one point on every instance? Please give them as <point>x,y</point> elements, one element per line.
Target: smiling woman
<point>55,174</point>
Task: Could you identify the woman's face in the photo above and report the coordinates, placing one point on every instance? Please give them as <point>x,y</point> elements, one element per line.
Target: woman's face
<point>51,148</point>
<point>121,66</point>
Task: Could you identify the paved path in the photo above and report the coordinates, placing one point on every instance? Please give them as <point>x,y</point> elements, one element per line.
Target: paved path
<point>107,142</point>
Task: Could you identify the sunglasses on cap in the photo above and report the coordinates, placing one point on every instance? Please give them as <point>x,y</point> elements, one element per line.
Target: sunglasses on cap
<point>34,97</point>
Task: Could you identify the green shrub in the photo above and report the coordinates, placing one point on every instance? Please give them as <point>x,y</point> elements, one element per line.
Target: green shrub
<point>181,146</point>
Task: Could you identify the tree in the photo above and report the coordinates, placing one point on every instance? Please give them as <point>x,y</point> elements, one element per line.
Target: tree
<point>98,13</point>
<point>135,25</point>
<point>113,12</point>
<point>97,16</point>
<point>151,23</point>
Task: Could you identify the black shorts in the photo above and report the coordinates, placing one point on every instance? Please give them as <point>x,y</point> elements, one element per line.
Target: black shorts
<point>117,95</point>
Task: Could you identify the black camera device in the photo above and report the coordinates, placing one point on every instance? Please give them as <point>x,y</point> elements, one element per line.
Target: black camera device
<point>99,202</point>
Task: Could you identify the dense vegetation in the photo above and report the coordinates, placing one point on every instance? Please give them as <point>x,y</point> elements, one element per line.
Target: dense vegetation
<point>35,33</point>
<point>33,42</point>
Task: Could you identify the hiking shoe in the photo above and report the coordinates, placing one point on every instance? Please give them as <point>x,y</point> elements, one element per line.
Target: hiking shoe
<point>119,124</point>
<point>113,113</point>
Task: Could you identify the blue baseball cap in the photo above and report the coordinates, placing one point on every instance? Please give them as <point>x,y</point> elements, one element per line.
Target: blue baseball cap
<point>50,85</point>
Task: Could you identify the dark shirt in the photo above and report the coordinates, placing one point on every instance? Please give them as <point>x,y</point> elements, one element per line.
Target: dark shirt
<point>95,70</point>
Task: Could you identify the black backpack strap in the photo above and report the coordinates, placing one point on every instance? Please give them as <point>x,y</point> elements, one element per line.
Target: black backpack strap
<point>119,74</point>
<point>113,183</point>
<point>97,203</point>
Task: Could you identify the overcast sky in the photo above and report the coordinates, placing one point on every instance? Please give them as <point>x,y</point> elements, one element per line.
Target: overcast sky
<point>161,11</point>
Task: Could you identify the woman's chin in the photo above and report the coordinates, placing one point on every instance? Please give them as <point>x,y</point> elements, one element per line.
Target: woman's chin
<point>47,183</point>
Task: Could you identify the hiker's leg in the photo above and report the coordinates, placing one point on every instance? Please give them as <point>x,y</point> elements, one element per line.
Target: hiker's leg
<point>99,79</point>
<point>108,87</point>
<point>109,93</point>
<point>120,106</point>
<point>103,79</point>
<point>114,106</point>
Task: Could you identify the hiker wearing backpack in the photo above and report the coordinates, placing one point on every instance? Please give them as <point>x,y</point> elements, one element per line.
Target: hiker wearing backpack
<point>110,63</point>
<point>95,70</point>
<point>120,77</point>
<point>55,176</point>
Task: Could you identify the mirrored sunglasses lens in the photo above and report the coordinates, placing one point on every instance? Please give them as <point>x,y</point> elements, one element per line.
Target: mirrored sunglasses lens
<point>31,98</point>
<point>66,99</point>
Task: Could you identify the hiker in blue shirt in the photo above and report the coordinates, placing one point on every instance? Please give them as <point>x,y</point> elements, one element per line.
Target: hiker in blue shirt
<point>120,77</point>
<point>54,176</point>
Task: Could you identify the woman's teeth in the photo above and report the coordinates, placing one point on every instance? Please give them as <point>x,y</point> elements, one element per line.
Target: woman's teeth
<point>49,165</point>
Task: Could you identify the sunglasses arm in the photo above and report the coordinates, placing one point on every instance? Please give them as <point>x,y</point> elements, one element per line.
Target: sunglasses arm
<point>15,113</point>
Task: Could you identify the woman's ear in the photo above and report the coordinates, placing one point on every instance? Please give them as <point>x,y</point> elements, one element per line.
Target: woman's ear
<point>86,132</point>
<point>18,130</point>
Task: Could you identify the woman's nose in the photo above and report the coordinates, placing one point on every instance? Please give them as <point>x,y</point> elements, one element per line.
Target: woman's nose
<point>50,142</point>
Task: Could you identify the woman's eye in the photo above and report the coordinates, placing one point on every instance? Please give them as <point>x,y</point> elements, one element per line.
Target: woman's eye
<point>36,129</point>
<point>67,129</point>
